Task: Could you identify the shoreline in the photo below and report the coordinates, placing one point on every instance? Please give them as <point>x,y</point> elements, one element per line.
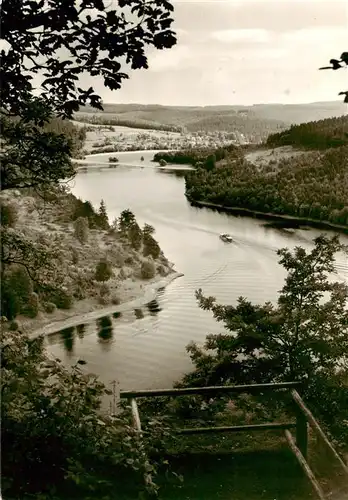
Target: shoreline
<point>150,292</point>
<point>269,216</point>
<point>119,152</point>
<point>129,151</point>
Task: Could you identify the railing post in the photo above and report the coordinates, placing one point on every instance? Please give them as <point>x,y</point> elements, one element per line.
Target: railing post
<point>302,433</point>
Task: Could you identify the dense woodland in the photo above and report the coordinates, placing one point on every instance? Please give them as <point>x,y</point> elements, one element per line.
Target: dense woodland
<point>313,185</point>
<point>252,128</point>
<point>204,157</point>
<point>104,119</point>
<point>321,134</point>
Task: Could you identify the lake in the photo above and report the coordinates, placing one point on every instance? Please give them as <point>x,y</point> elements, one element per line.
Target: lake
<point>149,352</point>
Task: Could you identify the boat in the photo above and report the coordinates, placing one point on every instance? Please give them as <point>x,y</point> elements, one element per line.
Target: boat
<point>227,238</point>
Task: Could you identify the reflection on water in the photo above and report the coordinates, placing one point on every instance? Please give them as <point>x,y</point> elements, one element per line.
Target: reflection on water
<point>80,330</point>
<point>105,330</point>
<point>138,313</point>
<point>153,307</point>
<point>68,336</point>
<point>176,172</point>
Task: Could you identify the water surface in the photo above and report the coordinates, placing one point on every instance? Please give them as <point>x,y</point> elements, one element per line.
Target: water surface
<point>146,348</point>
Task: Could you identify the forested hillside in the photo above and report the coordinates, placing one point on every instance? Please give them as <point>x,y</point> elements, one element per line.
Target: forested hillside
<point>252,128</point>
<point>313,185</point>
<point>190,120</point>
<point>287,113</point>
<point>118,120</point>
<point>322,134</point>
<point>255,122</point>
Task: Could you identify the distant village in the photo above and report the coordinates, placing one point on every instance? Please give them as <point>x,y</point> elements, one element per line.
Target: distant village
<point>117,139</point>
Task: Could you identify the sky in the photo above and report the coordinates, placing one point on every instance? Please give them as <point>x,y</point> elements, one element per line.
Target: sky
<point>244,52</point>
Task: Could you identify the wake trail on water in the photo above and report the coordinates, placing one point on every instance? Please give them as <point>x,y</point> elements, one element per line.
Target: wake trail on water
<point>238,240</point>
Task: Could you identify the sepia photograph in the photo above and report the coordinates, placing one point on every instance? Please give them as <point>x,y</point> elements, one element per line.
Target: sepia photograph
<point>174,249</point>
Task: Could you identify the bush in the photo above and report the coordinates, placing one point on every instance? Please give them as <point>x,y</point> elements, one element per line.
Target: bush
<point>62,299</point>
<point>14,326</point>
<point>103,301</point>
<point>162,270</point>
<point>79,293</point>
<point>139,314</point>
<point>151,247</point>
<point>147,270</point>
<point>16,289</point>
<point>49,443</point>
<point>103,271</point>
<point>20,282</point>
<point>104,290</point>
<point>119,259</point>
<point>10,303</point>
<point>122,274</point>
<point>115,300</point>
<point>49,307</point>
<point>31,309</point>
<point>75,256</point>
<point>9,214</point>
<point>81,229</point>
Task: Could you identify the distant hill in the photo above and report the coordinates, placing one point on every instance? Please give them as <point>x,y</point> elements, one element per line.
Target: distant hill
<point>254,122</point>
<point>299,113</point>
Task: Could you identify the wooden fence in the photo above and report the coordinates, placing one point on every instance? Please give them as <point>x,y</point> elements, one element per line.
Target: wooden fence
<point>303,419</point>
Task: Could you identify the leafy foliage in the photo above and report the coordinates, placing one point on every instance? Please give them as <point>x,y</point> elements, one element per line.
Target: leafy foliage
<point>60,298</point>
<point>38,32</point>
<point>8,215</point>
<point>53,435</point>
<point>335,65</point>
<point>33,157</point>
<point>313,186</point>
<point>103,270</point>
<point>17,288</point>
<point>55,440</point>
<point>147,270</point>
<point>81,229</point>
<point>76,135</point>
<point>36,258</point>
<point>32,306</point>
<point>303,337</point>
<point>33,154</point>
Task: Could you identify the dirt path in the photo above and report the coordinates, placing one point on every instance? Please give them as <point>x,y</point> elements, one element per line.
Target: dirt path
<point>149,294</point>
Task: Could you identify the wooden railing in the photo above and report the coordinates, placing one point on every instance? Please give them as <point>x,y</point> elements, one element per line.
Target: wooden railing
<point>300,448</point>
<point>304,419</point>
